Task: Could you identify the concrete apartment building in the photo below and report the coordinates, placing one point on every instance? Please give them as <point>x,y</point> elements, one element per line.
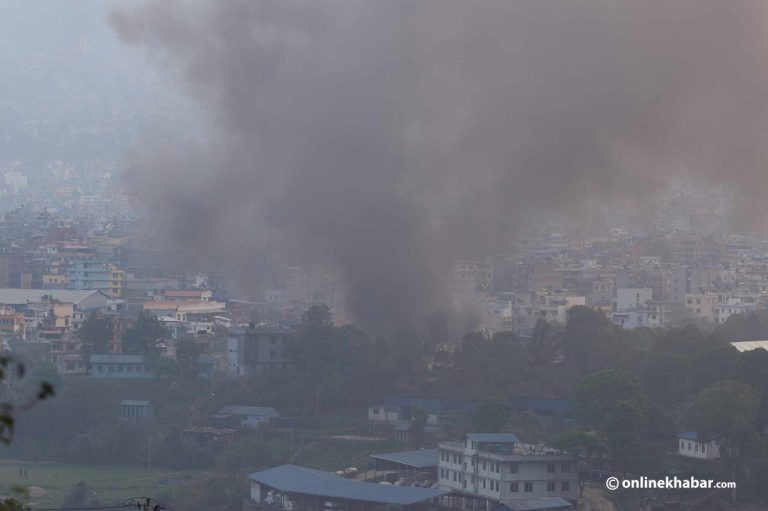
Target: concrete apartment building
<point>485,469</point>
<point>255,349</point>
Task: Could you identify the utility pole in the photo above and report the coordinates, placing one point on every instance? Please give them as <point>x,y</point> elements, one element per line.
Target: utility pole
<point>290,458</point>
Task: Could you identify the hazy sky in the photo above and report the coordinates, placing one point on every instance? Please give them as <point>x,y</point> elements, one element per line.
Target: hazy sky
<point>389,138</point>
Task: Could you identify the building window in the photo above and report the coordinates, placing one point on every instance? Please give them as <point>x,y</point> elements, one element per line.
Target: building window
<point>566,467</point>
<point>514,487</point>
<point>376,412</point>
<point>483,478</point>
<point>551,486</point>
<point>514,468</point>
<point>528,487</point>
<point>565,486</point>
<point>550,468</point>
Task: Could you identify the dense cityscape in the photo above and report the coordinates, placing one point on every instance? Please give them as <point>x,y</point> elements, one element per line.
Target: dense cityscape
<point>202,307</point>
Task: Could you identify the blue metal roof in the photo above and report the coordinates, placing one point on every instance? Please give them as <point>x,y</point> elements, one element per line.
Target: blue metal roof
<point>534,504</point>
<point>250,411</point>
<point>540,405</point>
<point>493,438</point>
<point>117,358</point>
<point>434,405</point>
<point>307,481</point>
<point>422,458</point>
<point>431,405</point>
<point>688,435</point>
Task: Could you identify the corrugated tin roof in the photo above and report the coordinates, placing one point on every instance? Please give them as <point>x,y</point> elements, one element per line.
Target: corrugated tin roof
<point>534,504</point>
<point>422,458</point>
<point>493,438</point>
<point>688,435</point>
<point>134,402</point>
<point>307,481</point>
<point>11,296</point>
<point>117,358</point>
<point>750,345</point>
<point>259,411</point>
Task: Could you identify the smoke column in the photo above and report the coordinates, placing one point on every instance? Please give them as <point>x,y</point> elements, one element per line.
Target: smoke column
<point>389,137</point>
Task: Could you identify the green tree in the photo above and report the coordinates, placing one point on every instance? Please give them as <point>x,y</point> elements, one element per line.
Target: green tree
<point>187,353</point>
<point>418,425</point>
<point>434,332</point>
<point>591,341</point>
<point>145,336</point>
<point>96,333</point>
<point>728,413</point>
<point>490,416</point>
<point>317,319</point>
<point>581,445</point>
<point>613,402</point>
<point>80,495</point>
<point>8,367</point>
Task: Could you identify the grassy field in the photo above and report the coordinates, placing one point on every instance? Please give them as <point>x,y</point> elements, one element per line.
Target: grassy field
<point>111,485</point>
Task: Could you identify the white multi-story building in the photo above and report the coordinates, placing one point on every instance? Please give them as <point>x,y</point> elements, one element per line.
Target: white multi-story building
<point>485,469</point>
<point>632,298</point>
<point>650,315</point>
<point>735,303</point>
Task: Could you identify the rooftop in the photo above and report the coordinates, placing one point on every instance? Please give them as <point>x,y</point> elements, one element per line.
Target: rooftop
<point>10,296</point>
<point>493,438</point>
<point>750,345</point>
<point>534,504</point>
<point>258,411</point>
<point>117,358</point>
<point>307,481</point>
<point>422,458</point>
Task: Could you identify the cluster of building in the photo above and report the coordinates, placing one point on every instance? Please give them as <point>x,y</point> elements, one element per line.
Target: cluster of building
<point>637,280</point>
<point>477,472</point>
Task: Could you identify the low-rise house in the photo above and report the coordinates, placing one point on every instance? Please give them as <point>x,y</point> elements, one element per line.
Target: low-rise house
<point>691,446</point>
<point>136,409</point>
<point>121,366</point>
<point>399,410</point>
<point>187,295</point>
<point>71,363</point>
<point>245,417</point>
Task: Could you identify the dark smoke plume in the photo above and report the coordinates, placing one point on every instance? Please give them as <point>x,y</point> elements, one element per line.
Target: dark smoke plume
<point>388,137</point>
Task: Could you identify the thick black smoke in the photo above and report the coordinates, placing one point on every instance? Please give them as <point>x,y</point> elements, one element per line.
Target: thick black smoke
<point>389,137</point>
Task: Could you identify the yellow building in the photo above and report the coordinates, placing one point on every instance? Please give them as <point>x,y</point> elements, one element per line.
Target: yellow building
<point>116,282</point>
<point>54,281</point>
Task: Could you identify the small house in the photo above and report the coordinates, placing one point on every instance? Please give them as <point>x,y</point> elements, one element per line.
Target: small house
<point>691,446</point>
<point>245,417</point>
<point>135,409</point>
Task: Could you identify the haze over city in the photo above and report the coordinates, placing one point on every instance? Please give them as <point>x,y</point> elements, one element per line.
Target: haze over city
<point>339,255</point>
